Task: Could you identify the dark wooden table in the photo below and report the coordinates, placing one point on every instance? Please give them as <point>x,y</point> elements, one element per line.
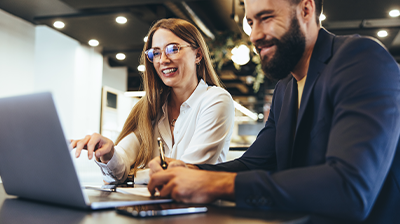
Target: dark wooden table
<point>19,211</point>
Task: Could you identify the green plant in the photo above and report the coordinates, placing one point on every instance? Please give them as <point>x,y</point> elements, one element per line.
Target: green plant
<point>220,50</point>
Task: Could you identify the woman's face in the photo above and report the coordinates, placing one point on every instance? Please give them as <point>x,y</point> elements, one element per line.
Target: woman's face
<point>176,70</point>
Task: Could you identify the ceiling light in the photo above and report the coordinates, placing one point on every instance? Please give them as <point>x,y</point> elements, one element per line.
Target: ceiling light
<point>121,19</point>
<point>382,33</point>
<point>246,27</point>
<point>145,38</point>
<point>394,13</point>
<point>120,56</point>
<point>322,17</point>
<point>141,68</point>
<point>58,24</point>
<point>241,55</point>
<point>250,79</point>
<point>93,43</point>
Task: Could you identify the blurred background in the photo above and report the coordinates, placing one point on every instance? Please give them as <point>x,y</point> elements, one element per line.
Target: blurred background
<point>87,53</point>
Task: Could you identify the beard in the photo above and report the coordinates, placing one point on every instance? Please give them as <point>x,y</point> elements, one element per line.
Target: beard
<point>289,50</point>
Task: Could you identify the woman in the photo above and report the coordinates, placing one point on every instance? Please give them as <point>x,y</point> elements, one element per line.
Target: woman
<point>184,105</point>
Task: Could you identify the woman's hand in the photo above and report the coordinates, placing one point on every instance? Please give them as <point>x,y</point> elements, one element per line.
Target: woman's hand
<point>95,143</point>
<point>155,164</point>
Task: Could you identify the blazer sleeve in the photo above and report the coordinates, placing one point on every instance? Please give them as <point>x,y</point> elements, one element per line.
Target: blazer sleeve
<point>260,155</point>
<point>364,93</point>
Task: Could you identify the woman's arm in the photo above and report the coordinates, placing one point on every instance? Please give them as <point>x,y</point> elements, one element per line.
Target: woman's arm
<point>116,170</point>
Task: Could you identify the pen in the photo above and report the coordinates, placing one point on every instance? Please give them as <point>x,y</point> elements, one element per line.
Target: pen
<point>164,164</point>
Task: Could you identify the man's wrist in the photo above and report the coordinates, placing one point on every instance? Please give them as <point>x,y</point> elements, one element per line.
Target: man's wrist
<point>227,186</point>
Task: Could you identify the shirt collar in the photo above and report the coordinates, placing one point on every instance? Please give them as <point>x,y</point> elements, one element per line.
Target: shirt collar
<point>197,93</point>
<point>200,89</point>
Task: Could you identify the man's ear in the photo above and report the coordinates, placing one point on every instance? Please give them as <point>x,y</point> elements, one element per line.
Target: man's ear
<point>308,10</point>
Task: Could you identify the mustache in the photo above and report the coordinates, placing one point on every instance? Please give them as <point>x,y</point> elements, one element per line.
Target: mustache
<point>265,43</point>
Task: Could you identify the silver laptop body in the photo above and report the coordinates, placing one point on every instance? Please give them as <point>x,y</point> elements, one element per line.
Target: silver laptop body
<point>35,158</point>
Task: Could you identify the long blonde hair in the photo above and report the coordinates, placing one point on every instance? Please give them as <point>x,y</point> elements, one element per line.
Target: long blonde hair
<point>143,116</point>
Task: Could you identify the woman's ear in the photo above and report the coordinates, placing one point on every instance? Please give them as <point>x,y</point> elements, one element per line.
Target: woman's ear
<point>199,55</point>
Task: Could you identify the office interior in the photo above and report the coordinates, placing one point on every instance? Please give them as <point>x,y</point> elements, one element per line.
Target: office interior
<point>86,52</point>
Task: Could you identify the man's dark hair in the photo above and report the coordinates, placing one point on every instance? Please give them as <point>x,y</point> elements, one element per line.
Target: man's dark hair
<point>318,7</point>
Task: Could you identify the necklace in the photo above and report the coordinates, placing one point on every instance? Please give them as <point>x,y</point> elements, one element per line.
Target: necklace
<point>173,122</point>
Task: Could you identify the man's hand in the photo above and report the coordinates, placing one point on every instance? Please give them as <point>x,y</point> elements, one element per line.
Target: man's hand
<point>192,186</point>
<point>155,164</point>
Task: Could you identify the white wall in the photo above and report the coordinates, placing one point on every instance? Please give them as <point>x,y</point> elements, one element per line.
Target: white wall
<point>17,43</point>
<point>113,119</point>
<point>73,73</point>
<point>115,81</point>
<point>115,77</point>
<point>38,58</point>
<point>35,59</point>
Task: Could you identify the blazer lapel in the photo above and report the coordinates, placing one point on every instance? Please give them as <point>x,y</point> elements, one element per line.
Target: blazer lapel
<point>286,125</point>
<point>321,54</point>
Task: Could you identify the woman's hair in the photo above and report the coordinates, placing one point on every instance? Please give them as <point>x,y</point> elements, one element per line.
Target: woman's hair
<point>143,116</point>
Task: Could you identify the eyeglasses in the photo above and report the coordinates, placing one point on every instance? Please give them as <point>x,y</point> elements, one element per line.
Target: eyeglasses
<point>154,54</point>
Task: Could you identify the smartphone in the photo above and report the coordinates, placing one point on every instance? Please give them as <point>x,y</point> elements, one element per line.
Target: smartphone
<point>153,210</point>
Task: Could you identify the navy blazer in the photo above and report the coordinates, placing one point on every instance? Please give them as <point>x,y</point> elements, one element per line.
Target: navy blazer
<point>338,157</point>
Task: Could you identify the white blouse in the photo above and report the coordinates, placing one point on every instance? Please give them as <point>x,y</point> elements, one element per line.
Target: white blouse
<point>202,134</point>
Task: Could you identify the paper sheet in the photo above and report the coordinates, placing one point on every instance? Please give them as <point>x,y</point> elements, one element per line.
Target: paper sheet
<point>142,191</point>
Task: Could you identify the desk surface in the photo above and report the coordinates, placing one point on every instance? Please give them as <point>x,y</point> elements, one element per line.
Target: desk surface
<point>16,211</point>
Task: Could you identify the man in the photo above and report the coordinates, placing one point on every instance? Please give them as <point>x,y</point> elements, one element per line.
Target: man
<point>330,149</point>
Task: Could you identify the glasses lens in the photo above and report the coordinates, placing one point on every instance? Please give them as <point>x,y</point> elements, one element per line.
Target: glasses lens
<point>150,54</point>
<point>172,49</point>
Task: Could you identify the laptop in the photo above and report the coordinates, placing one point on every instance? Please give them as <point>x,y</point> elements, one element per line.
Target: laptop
<point>35,158</point>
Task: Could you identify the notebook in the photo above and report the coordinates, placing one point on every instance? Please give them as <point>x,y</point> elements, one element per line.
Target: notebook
<point>35,158</point>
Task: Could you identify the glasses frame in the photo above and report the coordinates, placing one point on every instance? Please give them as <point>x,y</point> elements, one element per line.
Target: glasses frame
<point>163,50</point>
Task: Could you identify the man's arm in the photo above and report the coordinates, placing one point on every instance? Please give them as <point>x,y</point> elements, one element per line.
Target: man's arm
<point>216,185</point>
<point>364,97</point>
<point>365,100</point>
<point>260,155</point>
<point>193,186</point>
<point>231,166</point>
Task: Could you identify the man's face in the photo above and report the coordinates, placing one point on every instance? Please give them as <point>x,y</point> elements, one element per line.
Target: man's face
<point>276,34</point>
